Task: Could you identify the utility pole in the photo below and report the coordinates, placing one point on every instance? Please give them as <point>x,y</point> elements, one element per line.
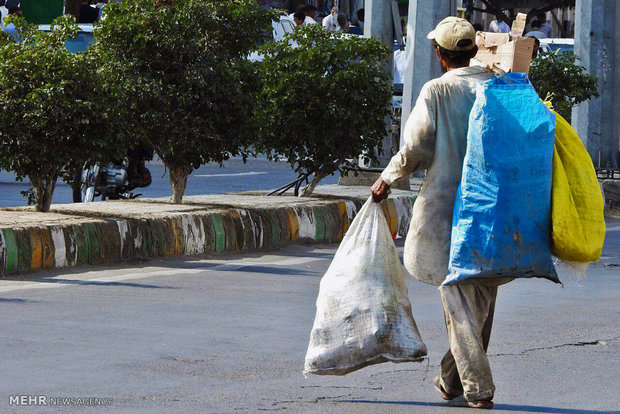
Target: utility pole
<point>379,25</point>
<point>422,64</point>
<point>597,43</point>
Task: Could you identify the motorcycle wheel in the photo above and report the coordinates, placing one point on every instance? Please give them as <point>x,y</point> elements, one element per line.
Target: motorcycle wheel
<point>84,182</point>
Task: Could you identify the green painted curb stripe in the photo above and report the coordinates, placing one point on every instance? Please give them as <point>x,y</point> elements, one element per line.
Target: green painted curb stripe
<point>10,246</point>
<point>207,224</point>
<point>81,244</point>
<point>220,233</point>
<point>276,231</point>
<point>94,248</point>
<point>319,224</point>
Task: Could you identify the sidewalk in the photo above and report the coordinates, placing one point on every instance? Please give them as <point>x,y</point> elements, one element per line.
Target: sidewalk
<point>125,231</point>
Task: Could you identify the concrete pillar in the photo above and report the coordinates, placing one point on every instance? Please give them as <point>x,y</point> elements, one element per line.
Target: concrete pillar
<point>378,25</point>
<point>597,43</point>
<point>422,63</point>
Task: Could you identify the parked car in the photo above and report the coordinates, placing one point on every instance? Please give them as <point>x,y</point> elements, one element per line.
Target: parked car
<point>557,45</point>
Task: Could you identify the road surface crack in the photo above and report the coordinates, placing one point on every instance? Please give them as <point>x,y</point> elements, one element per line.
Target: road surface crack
<point>316,400</point>
<point>341,387</point>
<point>570,344</point>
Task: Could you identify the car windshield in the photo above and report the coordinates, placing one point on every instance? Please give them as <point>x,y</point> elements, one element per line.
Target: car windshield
<point>559,47</point>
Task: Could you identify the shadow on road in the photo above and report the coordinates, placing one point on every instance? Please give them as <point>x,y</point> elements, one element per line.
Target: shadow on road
<point>16,300</point>
<point>96,283</point>
<point>235,267</point>
<point>496,407</point>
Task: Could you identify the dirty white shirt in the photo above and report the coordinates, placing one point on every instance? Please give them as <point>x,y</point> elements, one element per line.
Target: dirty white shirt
<point>435,139</point>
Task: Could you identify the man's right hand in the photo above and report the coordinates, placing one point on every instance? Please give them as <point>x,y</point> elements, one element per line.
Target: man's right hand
<point>379,190</point>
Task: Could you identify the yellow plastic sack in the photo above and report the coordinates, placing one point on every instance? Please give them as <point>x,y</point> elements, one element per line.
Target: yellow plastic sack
<point>577,206</point>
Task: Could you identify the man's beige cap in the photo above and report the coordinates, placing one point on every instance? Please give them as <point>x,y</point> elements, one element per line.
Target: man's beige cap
<point>452,30</point>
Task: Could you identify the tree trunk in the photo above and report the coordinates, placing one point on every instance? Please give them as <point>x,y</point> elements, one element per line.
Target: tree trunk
<point>309,189</point>
<point>44,191</point>
<point>178,182</point>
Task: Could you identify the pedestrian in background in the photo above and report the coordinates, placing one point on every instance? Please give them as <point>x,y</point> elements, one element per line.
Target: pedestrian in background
<point>536,31</point>
<point>545,27</point>
<point>4,12</point>
<point>343,23</point>
<point>299,16</point>
<point>10,28</point>
<point>330,22</point>
<point>499,26</point>
<point>311,14</point>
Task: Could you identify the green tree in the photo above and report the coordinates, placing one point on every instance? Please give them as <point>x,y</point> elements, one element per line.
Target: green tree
<point>187,88</point>
<point>55,111</point>
<point>325,100</point>
<point>560,78</point>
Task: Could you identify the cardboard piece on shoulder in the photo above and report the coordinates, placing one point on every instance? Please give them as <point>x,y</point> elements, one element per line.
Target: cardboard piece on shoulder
<point>502,52</point>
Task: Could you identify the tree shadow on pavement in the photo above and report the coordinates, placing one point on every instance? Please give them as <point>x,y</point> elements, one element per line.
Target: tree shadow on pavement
<point>241,268</point>
<point>98,283</point>
<point>16,300</point>
<point>496,407</point>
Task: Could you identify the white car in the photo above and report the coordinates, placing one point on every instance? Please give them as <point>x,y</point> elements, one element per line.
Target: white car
<point>557,45</point>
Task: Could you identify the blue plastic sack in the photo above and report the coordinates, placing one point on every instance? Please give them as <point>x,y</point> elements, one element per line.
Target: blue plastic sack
<point>501,220</point>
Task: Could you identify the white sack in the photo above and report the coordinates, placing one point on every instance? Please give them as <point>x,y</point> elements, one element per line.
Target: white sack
<point>363,314</point>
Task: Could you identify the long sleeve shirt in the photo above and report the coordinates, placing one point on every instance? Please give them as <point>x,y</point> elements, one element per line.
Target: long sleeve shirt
<point>435,140</point>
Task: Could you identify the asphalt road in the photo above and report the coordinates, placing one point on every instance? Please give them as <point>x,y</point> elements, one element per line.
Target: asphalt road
<point>229,334</point>
<point>234,176</point>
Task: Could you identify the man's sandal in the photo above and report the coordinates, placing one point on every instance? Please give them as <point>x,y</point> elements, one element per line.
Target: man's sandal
<point>482,404</point>
<point>444,394</point>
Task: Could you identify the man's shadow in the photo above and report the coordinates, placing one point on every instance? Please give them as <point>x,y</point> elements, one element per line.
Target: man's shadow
<point>496,407</point>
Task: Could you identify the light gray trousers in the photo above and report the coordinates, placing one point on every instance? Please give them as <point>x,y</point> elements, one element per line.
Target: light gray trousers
<point>468,310</point>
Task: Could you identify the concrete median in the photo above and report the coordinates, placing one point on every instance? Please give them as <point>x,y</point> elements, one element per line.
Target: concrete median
<point>124,231</point>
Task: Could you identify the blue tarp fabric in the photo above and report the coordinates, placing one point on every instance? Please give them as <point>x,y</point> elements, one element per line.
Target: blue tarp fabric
<point>501,221</point>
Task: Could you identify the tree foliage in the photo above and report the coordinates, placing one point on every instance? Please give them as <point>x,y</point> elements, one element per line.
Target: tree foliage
<point>187,87</point>
<point>325,100</point>
<point>56,113</point>
<point>560,77</point>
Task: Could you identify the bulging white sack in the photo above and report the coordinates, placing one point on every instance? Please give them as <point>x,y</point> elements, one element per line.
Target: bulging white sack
<point>363,314</point>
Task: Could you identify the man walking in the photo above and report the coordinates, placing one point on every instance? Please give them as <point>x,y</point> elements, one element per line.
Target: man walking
<point>435,139</point>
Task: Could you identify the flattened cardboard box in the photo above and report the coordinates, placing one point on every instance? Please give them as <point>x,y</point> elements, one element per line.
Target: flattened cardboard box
<point>501,51</point>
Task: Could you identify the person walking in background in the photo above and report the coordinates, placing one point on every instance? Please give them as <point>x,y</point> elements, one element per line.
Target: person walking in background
<point>4,12</point>
<point>10,27</point>
<point>311,14</point>
<point>307,12</point>
<point>330,22</point>
<point>536,32</point>
<point>299,16</point>
<point>360,18</point>
<point>545,26</point>
<point>343,23</point>
<point>499,26</point>
<point>435,139</point>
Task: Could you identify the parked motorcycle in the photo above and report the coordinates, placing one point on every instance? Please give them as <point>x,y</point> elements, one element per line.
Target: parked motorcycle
<point>110,182</point>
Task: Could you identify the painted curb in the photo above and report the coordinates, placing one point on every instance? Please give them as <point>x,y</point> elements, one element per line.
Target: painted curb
<point>115,240</point>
